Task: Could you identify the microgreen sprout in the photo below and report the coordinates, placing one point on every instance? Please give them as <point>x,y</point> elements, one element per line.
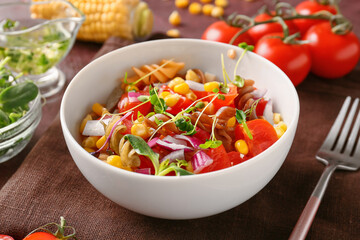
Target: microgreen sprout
<point>241,118</point>
<point>212,142</point>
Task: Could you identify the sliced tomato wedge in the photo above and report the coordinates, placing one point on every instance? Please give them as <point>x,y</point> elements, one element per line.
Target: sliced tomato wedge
<point>229,98</point>
<point>220,157</point>
<point>235,158</point>
<point>264,135</point>
<point>124,105</point>
<point>261,107</point>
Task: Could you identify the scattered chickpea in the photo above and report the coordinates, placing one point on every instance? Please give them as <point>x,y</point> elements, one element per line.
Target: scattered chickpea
<point>207,8</point>
<point>217,12</point>
<point>231,53</point>
<point>175,18</point>
<point>221,3</point>
<point>175,33</point>
<point>195,8</point>
<point>181,3</point>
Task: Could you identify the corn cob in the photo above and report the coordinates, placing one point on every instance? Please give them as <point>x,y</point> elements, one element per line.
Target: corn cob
<point>127,19</point>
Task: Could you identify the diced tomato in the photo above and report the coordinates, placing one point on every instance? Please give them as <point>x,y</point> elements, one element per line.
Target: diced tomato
<point>264,135</point>
<point>201,94</point>
<point>125,105</point>
<point>220,157</point>
<point>182,104</point>
<point>235,157</point>
<point>261,107</point>
<point>128,123</point>
<point>202,134</point>
<point>146,163</point>
<point>229,98</point>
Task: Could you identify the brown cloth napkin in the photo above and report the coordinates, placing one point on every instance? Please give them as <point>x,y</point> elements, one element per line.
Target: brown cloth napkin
<point>49,185</point>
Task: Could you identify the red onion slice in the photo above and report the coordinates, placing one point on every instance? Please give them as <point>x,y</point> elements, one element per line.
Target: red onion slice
<point>179,154</point>
<point>95,128</point>
<point>170,139</point>
<point>268,112</point>
<point>200,160</point>
<point>195,85</point>
<point>152,142</point>
<point>146,171</point>
<point>133,97</point>
<point>173,146</point>
<point>259,93</point>
<point>195,142</point>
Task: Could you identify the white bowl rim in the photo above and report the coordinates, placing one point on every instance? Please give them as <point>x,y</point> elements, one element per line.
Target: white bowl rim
<point>254,160</point>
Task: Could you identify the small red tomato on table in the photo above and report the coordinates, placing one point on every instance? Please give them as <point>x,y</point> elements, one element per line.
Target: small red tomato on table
<point>258,31</point>
<point>333,55</point>
<point>220,31</point>
<point>5,237</point>
<point>309,8</point>
<point>293,58</point>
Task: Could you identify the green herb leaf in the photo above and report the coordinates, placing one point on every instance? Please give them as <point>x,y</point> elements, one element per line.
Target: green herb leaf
<point>210,144</point>
<point>18,95</point>
<point>9,24</point>
<point>241,118</point>
<point>4,119</point>
<point>166,167</point>
<point>223,88</point>
<point>239,81</point>
<point>158,103</point>
<point>184,124</point>
<point>142,148</point>
<point>220,96</point>
<point>158,121</point>
<point>143,98</point>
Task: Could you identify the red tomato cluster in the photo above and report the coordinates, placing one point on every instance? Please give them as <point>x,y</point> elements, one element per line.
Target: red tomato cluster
<point>323,52</point>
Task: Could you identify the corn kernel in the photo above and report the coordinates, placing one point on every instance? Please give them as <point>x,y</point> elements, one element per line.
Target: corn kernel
<point>189,167</point>
<point>211,86</point>
<point>140,130</point>
<point>207,8</point>
<point>182,88</point>
<point>164,94</point>
<point>100,142</point>
<point>282,125</point>
<point>242,147</point>
<point>191,95</point>
<point>217,12</point>
<point>181,3</point>
<point>129,88</point>
<point>231,54</point>
<point>84,121</point>
<point>276,118</point>
<point>231,122</point>
<point>175,33</point>
<point>172,99</point>
<point>115,161</point>
<point>90,150</point>
<point>279,131</point>
<point>195,8</point>
<point>221,3</point>
<point>206,1</point>
<point>192,76</point>
<point>175,82</point>
<point>97,108</point>
<point>89,142</point>
<point>175,18</point>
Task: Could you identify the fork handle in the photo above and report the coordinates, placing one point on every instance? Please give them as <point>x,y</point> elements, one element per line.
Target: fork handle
<point>307,216</point>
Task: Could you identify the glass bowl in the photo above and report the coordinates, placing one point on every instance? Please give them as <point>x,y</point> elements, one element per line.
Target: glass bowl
<point>14,137</point>
<point>37,38</point>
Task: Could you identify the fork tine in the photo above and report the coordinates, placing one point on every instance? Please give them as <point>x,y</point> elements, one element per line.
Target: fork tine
<point>353,135</point>
<point>345,130</point>
<point>331,137</point>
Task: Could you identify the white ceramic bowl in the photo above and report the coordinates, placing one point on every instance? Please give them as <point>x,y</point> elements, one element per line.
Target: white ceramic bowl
<point>183,197</point>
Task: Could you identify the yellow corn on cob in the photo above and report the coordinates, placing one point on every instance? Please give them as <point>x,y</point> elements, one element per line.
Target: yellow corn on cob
<point>105,18</point>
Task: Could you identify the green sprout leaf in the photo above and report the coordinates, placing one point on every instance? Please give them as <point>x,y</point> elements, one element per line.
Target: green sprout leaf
<point>211,144</point>
<point>158,103</point>
<point>241,118</point>
<point>184,124</point>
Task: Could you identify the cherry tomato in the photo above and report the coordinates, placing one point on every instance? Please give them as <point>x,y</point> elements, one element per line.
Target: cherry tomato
<point>202,135</point>
<point>229,98</point>
<point>308,8</point>
<point>124,105</point>
<point>260,107</point>
<point>40,236</point>
<point>332,55</point>
<point>182,104</point>
<point>220,157</point>
<point>220,31</point>
<point>264,135</point>
<point>5,237</point>
<point>293,59</point>
<point>260,30</point>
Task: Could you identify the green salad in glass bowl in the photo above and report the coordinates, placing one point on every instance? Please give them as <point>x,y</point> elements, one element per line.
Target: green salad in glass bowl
<point>20,111</point>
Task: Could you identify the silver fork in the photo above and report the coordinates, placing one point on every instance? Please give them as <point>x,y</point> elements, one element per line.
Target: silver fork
<point>337,152</point>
